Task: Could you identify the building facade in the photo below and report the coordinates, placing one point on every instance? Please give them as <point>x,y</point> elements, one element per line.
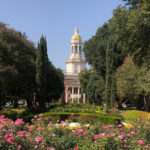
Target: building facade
<point>74,65</point>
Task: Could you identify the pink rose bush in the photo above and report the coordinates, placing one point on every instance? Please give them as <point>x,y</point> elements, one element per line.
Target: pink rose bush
<point>45,134</point>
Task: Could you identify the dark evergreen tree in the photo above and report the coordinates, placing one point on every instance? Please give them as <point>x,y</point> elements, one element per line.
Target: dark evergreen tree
<point>92,85</point>
<point>42,72</point>
<point>108,77</point>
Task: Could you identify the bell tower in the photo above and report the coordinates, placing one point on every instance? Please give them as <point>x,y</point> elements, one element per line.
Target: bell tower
<point>74,65</point>
<point>76,45</point>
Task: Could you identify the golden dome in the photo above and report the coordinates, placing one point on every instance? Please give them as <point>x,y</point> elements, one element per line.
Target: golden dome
<point>76,37</point>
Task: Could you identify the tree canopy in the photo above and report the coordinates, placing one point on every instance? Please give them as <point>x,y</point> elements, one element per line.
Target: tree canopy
<point>25,71</point>
<point>17,64</point>
<point>92,85</point>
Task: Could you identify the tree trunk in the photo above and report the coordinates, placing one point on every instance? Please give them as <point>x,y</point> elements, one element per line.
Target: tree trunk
<point>147,103</point>
<point>15,103</point>
<point>140,102</point>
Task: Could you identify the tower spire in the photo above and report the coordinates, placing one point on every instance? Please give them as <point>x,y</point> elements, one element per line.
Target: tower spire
<point>76,31</point>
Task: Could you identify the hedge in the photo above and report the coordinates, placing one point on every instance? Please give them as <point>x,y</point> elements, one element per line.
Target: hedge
<point>99,117</point>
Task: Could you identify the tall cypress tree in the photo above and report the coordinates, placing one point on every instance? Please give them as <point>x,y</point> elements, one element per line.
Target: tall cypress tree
<point>108,76</point>
<point>42,71</point>
<point>113,96</point>
<point>110,84</point>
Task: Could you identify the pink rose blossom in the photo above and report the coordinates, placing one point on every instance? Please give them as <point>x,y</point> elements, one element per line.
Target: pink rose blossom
<point>50,123</point>
<point>40,115</point>
<point>35,147</point>
<point>39,139</point>
<point>146,146</point>
<point>120,136</point>
<point>1,126</point>
<point>85,132</point>
<point>133,133</point>
<point>140,142</point>
<point>96,136</point>
<point>112,134</point>
<point>53,135</point>
<point>80,131</point>
<point>19,147</point>
<point>19,122</point>
<point>110,126</point>
<point>32,120</point>
<point>120,125</point>
<point>5,136</point>
<point>29,129</point>
<point>102,134</point>
<point>106,127</point>
<point>10,141</point>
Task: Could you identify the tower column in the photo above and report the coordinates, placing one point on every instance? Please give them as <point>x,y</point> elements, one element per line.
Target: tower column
<point>83,98</point>
<point>66,94</point>
<point>72,93</point>
<point>78,95</point>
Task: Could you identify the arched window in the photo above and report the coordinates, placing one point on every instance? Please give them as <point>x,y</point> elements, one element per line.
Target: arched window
<point>72,49</point>
<point>80,49</point>
<point>76,49</point>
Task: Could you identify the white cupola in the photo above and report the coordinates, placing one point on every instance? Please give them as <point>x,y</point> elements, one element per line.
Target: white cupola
<point>75,64</point>
<point>76,45</point>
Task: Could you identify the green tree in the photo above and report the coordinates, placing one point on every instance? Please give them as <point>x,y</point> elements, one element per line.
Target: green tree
<point>50,80</point>
<point>143,86</point>
<point>42,68</point>
<point>95,50</point>
<point>95,89</point>
<point>127,76</point>
<point>92,85</point>
<point>108,77</point>
<point>132,3</point>
<point>17,66</point>
<point>133,84</point>
<point>132,29</point>
<point>84,78</point>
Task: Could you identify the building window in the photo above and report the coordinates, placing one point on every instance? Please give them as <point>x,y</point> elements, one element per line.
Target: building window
<point>70,90</point>
<point>75,68</point>
<point>72,49</point>
<point>76,49</point>
<point>80,49</point>
<point>75,90</point>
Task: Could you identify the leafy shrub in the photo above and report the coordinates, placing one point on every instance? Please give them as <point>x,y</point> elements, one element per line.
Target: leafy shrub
<point>9,113</point>
<point>13,114</point>
<point>109,143</point>
<point>136,115</point>
<point>75,108</point>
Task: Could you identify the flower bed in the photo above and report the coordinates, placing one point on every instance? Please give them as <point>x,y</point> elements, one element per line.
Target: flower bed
<point>46,134</point>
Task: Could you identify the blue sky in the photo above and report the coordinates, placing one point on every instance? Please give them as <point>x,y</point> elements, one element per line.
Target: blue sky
<point>56,19</point>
